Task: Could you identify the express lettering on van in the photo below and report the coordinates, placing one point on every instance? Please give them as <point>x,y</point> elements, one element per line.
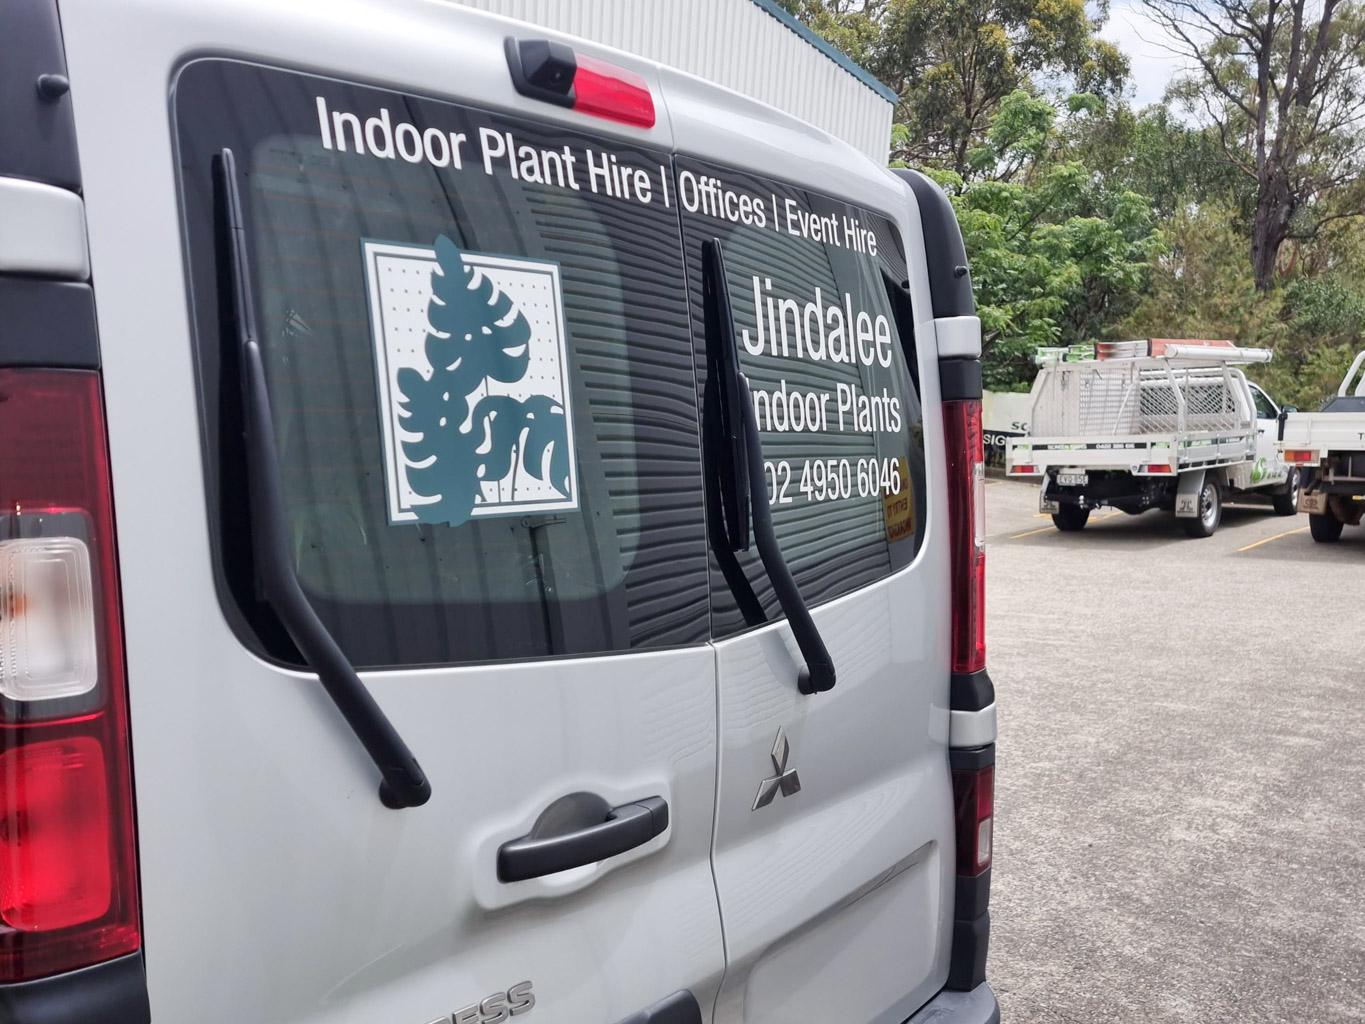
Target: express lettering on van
<point>494,1009</point>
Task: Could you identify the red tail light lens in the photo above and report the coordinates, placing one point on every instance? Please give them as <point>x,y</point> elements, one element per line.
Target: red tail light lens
<point>604,90</point>
<point>68,872</point>
<point>55,860</point>
<point>974,810</point>
<point>1299,456</point>
<point>967,524</point>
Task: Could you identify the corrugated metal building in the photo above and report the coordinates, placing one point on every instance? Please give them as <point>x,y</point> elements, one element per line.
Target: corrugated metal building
<point>751,46</point>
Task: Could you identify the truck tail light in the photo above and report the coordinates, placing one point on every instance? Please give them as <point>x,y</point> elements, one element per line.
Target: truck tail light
<point>1300,456</point>
<point>68,869</point>
<point>974,811</point>
<point>1024,469</point>
<point>966,528</point>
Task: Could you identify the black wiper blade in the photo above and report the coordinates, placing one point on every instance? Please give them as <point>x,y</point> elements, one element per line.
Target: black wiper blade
<point>726,488</point>
<point>818,674</point>
<point>404,784</point>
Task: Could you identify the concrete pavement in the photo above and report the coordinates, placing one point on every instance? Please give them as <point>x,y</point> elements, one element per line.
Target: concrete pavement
<point>1180,796</point>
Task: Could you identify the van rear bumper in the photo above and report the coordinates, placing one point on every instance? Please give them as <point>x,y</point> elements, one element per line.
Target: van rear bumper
<point>978,1006</point>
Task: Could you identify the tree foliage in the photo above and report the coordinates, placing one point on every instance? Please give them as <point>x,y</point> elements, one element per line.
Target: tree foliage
<point>1058,256</point>
<point>1233,210</point>
<point>953,62</point>
<point>1282,83</point>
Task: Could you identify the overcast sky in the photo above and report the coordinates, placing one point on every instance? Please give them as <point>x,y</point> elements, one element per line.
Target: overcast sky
<point>1154,65</point>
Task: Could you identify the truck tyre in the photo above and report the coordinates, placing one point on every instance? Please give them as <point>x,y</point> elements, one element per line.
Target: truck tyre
<point>1325,528</point>
<point>1070,518</point>
<point>1210,511</point>
<point>1287,501</point>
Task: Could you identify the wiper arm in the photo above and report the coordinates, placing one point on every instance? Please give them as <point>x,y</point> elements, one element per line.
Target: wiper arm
<point>818,674</point>
<point>727,480</point>
<point>404,784</point>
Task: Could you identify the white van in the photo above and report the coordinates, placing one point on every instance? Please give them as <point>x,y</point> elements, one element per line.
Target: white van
<point>492,529</point>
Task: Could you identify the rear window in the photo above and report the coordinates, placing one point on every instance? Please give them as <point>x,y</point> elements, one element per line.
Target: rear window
<point>482,378</point>
<point>815,287</point>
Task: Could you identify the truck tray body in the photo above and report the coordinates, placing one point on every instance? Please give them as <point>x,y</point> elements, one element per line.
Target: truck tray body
<point>1146,416</point>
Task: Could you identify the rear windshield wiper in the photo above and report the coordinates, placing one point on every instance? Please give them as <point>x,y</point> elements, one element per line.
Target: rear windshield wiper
<point>737,454</point>
<point>404,784</point>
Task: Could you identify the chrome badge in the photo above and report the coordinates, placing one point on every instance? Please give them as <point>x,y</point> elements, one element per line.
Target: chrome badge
<point>493,1009</point>
<point>784,779</point>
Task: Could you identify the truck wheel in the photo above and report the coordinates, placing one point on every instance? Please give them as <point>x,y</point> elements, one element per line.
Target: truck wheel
<point>1210,511</point>
<point>1325,528</point>
<point>1287,501</point>
<point>1070,518</point>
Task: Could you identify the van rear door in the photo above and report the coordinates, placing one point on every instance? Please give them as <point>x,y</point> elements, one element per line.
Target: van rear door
<point>477,355</point>
<point>834,823</point>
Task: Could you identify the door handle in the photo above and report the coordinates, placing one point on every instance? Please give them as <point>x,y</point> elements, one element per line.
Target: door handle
<point>577,830</point>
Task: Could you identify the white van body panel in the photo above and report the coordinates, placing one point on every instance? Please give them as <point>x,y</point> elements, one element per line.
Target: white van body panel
<point>835,897</point>
<point>275,887</point>
<point>257,813</point>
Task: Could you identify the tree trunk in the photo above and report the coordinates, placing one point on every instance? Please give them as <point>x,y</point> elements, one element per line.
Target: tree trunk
<point>1274,207</point>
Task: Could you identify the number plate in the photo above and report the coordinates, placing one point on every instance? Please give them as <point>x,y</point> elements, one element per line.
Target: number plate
<point>1315,503</point>
<point>1073,479</point>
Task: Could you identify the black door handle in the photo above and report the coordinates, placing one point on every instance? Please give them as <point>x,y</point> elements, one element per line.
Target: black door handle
<point>580,829</point>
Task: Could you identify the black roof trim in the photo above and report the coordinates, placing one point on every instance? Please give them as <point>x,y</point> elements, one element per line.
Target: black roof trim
<point>39,137</point>
<point>950,279</point>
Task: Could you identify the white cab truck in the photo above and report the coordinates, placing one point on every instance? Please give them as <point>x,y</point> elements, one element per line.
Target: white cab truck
<point>1164,424</point>
<point>1328,448</point>
<point>490,528</point>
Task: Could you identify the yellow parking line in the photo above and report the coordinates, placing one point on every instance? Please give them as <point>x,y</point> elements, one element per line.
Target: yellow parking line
<point>1277,536</point>
<point>1045,529</point>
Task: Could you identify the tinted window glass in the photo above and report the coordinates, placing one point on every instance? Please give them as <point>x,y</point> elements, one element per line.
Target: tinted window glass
<point>479,361</point>
<point>828,369</point>
<point>1265,409</point>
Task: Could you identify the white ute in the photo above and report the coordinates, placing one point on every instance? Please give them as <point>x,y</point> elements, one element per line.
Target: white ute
<point>491,529</point>
<point>1164,424</point>
<point>1328,447</point>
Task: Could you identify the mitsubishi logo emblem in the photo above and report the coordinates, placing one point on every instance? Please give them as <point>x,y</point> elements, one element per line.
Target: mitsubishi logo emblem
<point>784,778</point>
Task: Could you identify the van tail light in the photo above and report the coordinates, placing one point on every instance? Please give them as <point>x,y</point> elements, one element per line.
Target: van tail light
<point>604,90</point>
<point>68,868</point>
<point>966,528</point>
<point>974,811</point>
<point>554,72</point>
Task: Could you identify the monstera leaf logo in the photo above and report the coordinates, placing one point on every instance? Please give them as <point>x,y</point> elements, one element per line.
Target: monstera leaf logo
<point>467,436</point>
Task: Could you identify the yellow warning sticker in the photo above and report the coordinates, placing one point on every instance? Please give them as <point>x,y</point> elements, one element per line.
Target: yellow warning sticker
<point>898,504</point>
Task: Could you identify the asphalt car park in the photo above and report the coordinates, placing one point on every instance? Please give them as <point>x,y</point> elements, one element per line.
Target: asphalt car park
<point>1181,776</point>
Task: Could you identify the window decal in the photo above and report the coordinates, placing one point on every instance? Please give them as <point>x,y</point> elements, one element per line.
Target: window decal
<point>472,369</point>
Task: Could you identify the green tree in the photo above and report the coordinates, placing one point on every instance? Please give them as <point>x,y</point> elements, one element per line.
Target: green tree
<point>476,335</point>
<point>953,62</point>
<point>1058,257</point>
<point>1282,82</point>
<point>1153,154</point>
